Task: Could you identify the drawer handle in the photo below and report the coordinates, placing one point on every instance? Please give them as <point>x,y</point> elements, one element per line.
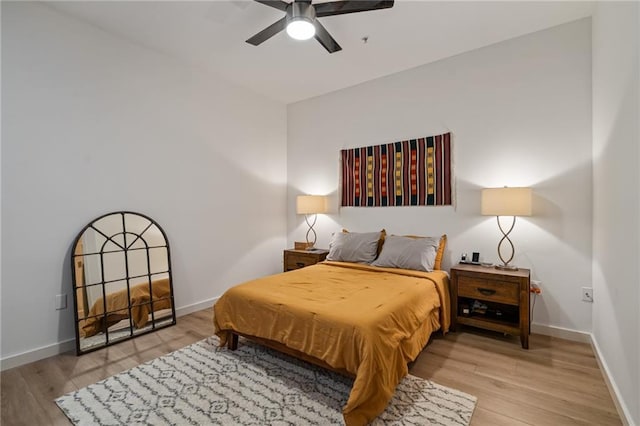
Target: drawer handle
<point>300,264</point>
<point>486,291</point>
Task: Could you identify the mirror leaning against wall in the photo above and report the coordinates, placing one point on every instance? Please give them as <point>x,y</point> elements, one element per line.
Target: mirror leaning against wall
<point>122,285</point>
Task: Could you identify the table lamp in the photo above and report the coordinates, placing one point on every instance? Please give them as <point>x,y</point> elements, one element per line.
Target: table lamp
<point>311,205</point>
<point>506,202</point>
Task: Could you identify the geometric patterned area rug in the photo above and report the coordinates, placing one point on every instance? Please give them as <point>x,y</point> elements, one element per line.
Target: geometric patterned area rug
<point>203,384</point>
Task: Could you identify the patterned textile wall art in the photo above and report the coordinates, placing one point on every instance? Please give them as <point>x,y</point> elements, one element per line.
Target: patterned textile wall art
<point>415,172</point>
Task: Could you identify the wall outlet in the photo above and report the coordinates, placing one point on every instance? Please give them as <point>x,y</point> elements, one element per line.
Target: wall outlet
<point>536,284</point>
<point>587,294</point>
<point>61,301</point>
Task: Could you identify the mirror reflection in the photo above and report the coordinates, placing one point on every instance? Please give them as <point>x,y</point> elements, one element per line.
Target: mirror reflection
<point>122,280</point>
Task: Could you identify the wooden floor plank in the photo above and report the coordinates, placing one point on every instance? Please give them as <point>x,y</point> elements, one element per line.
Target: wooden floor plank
<point>19,405</point>
<point>475,363</point>
<point>482,416</point>
<point>555,382</point>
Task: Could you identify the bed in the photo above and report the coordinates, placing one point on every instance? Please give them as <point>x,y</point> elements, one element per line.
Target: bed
<point>365,321</point>
<point>119,302</point>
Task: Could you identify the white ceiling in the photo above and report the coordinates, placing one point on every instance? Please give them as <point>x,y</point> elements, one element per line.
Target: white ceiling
<point>212,34</point>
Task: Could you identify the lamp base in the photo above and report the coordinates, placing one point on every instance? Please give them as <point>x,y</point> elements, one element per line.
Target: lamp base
<point>506,267</point>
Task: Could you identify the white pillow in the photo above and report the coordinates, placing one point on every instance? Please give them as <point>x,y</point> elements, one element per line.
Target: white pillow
<point>408,253</point>
<point>359,247</point>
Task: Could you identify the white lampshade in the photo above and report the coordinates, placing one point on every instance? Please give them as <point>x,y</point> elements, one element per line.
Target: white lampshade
<point>506,201</point>
<point>311,204</point>
<point>301,29</point>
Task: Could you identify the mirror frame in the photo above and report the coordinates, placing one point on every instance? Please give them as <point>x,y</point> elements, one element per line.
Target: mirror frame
<point>109,238</point>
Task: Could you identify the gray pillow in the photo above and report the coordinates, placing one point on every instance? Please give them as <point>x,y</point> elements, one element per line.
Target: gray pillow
<point>408,253</point>
<point>359,247</point>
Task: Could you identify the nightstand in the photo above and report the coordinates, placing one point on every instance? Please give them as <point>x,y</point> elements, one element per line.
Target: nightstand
<point>296,259</point>
<point>492,299</point>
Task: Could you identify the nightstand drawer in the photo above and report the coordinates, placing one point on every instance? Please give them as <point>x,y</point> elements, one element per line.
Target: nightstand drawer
<point>491,290</point>
<point>297,261</point>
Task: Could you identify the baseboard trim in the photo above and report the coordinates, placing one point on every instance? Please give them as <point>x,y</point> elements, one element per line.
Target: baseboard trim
<point>194,307</point>
<point>562,333</point>
<point>70,344</point>
<point>37,354</point>
<point>618,401</point>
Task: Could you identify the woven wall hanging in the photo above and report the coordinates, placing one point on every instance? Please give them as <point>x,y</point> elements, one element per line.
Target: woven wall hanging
<point>415,172</point>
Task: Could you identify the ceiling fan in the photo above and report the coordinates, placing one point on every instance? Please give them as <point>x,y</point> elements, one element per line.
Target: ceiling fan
<point>301,20</point>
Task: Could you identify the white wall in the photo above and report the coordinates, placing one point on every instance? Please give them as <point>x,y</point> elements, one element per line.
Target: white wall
<point>92,123</point>
<point>520,113</point>
<point>616,196</point>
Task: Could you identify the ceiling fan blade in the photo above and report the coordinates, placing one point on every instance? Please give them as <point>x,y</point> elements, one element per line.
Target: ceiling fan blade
<point>325,39</point>
<point>278,4</point>
<point>350,6</point>
<point>268,32</point>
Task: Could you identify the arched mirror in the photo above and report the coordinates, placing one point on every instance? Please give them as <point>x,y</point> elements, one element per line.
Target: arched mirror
<point>121,280</point>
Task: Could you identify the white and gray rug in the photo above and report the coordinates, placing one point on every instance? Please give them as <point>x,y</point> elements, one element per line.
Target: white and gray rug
<point>203,384</point>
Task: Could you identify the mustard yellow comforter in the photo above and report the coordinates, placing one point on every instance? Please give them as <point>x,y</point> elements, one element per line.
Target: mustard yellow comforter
<point>368,321</point>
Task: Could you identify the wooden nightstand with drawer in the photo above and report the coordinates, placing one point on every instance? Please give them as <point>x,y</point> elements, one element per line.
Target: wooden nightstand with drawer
<point>296,259</point>
<point>491,299</point>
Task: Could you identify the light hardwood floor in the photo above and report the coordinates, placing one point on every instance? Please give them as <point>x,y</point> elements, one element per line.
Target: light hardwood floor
<point>555,382</point>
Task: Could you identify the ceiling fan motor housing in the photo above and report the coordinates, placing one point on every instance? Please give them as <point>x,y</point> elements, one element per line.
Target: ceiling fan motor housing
<point>300,11</point>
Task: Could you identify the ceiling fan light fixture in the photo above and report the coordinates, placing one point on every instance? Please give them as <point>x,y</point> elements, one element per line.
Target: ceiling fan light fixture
<point>300,20</point>
<point>301,29</point>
